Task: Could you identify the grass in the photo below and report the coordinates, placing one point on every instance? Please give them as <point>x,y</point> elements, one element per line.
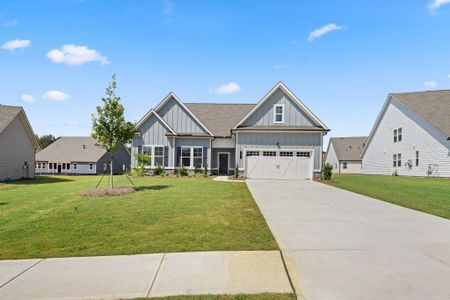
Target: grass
<point>230,297</point>
<point>429,195</point>
<point>47,217</point>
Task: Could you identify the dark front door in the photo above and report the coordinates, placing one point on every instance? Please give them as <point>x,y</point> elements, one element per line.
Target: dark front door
<point>59,168</point>
<point>223,164</point>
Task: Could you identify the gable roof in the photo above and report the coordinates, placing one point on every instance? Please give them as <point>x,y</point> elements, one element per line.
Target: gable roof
<point>433,106</point>
<point>148,115</point>
<point>67,149</point>
<point>348,148</point>
<point>296,100</point>
<point>8,113</point>
<point>220,117</point>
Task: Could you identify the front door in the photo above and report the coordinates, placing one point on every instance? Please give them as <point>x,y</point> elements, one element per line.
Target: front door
<point>223,163</point>
<point>59,168</point>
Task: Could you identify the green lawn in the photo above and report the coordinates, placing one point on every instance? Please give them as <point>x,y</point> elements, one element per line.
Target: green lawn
<point>231,297</point>
<point>430,195</point>
<point>47,217</point>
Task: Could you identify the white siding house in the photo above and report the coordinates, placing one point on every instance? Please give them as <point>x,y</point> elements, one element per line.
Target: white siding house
<point>344,154</point>
<point>411,136</point>
<point>17,144</point>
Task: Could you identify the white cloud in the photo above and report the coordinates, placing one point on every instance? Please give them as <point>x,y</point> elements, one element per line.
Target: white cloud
<point>229,88</point>
<point>27,98</point>
<point>317,33</point>
<point>55,95</point>
<point>448,76</point>
<point>11,23</point>
<point>71,54</point>
<point>16,44</point>
<point>435,4</point>
<point>430,84</point>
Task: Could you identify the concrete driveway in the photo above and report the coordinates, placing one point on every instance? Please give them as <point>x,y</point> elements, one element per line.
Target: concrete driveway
<point>341,245</point>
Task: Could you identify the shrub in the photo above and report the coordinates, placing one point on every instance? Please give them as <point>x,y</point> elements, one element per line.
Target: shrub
<point>198,169</point>
<point>327,171</point>
<point>159,170</point>
<point>142,159</point>
<point>182,171</point>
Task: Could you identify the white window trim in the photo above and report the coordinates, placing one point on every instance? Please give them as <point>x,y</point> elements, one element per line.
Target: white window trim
<point>275,113</point>
<point>152,158</point>
<point>191,159</point>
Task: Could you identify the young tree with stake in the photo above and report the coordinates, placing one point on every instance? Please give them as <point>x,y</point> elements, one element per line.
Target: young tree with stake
<point>109,127</point>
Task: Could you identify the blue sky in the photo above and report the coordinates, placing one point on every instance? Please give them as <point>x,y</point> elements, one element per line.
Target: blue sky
<point>340,57</point>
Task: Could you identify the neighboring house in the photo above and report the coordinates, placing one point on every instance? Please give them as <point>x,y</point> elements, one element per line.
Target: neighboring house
<point>279,137</point>
<point>411,136</point>
<point>18,144</point>
<point>344,154</point>
<point>80,155</point>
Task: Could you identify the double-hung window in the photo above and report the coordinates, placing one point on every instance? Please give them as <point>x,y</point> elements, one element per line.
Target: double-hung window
<point>159,156</point>
<point>397,160</point>
<point>344,165</point>
<point>398,136</point>
<point>394,160</point>
<point>417,158</point>
<point>278,113</point>
<point>148,150</point>
<point>192,157</point>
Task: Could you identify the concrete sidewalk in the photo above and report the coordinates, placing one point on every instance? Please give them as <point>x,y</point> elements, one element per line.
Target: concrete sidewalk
<point>147,275</point>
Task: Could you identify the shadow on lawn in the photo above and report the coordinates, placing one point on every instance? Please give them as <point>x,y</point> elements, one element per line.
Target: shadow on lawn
<point>152,187</point>
<point>39,180</point>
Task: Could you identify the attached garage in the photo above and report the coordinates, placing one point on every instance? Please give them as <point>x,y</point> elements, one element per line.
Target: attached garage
<point>279,164</point>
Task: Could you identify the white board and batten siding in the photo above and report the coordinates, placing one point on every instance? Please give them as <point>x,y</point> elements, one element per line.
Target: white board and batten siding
<point>417,135</point>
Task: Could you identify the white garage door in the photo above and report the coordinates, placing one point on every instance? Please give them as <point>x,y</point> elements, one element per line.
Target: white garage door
<point>279,164</point>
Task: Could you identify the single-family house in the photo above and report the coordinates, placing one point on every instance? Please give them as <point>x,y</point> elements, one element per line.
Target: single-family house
<point>411,136</point>
<point>344,154</point>
<point>17,144</point>
<point>278,137</point>
<point>79,155</point>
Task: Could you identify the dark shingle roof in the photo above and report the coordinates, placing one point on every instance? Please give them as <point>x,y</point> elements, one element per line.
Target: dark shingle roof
<point>433,106</point>
<point>7,114</point>
<point>348,148</point>
<point>67,149</point>
<point>219,118</point>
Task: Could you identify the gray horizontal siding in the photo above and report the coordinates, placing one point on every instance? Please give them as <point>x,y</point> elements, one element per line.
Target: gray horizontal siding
<point>16,148</point>
<point>264,115</point>
<point>178,118</point>
<point>286,140</point>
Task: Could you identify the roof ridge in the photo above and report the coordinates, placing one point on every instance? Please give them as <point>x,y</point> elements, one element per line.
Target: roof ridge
<point>416,92</point>
<point>219,103</point>
<point>14,106</point>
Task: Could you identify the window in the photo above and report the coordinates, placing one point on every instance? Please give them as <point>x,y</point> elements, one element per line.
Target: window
<point>417,158</point>
<point>398,136</point>
<point>399,160</point>
<point>198,157</point>
<point>91,166</point>
<point>159,156</point>
<point>252,153</point>
<point>240,154</point>
<point>186,157</point>
<point>68,166</point>
<point>64,166</point>
<point>269,153</point>
<point>394,160</point>
<point>192,156</point>
<point>148,150</point>
<point>38,165</point>
<point>75,166</point>
<point>344,165</point>
<point>286,153</point>
<point>279,113</point>
<point>304,154</point>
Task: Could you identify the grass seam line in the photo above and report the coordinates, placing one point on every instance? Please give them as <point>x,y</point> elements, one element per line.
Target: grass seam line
<point>287,274</point>
<point>1,286</point>
<point>156,275</point>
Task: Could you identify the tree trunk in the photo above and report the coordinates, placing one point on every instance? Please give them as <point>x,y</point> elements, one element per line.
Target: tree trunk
<point>111,185</point>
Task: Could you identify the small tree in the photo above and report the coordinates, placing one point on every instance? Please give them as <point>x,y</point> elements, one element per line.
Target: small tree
<point>45,140</point>
<point>141,159</point>
<point>109,127</point>
<point>327,171</point>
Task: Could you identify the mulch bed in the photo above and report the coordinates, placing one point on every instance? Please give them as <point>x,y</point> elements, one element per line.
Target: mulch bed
<point>105,192</point>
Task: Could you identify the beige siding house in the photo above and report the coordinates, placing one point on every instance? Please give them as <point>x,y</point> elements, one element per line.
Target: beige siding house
<point>17,144</point>
<point>344,154</point>
<point>411,136</point>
